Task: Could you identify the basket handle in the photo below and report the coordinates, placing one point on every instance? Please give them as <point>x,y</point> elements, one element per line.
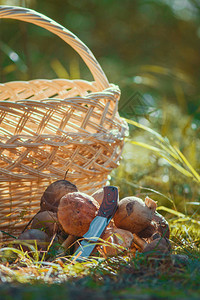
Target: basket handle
<point>31,16</point>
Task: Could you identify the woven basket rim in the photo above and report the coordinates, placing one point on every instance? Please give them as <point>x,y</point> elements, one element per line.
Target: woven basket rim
<point>32,16</point>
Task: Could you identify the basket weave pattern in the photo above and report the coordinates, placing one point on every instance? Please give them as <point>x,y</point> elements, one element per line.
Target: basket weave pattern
<point>50,126</point>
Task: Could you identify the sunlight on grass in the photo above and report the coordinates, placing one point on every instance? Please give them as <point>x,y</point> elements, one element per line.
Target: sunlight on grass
<point>164,149</point>
<point>182,217</point>
<point>25,266</point>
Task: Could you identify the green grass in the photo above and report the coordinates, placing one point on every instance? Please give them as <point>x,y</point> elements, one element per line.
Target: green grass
<point>137,278</point>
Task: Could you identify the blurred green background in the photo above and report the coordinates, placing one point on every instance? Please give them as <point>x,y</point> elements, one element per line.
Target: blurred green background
<point>151,49</point>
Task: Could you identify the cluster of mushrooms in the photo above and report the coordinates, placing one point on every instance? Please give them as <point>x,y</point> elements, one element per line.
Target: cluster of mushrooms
<point>65,216</point>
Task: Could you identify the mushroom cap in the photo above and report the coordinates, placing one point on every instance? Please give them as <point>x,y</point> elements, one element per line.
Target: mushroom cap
<point>133,214</point>
<point>34,235</point>
<point>158,225</point>
<point>76,211</point>
<point>46,221</point>
<point>54,192</point>
<point>148,231</point>
<point>116,236</point>
<point>158,247</point>
<point>162,224</point>
<point>98,195</point>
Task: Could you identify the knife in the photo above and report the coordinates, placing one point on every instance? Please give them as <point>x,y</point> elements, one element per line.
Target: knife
<point>98,225</point>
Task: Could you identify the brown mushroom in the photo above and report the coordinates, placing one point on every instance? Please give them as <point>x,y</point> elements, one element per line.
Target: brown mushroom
<point>158,247</point>
<point>33,237</point>
<point>46,221</point>
<point>75,213</point>
<point>98,195</point>
<point>138,242</point>
<point>158,225</point>
<point>70,240</point>
<point>162,224</point>
<point>117,240</point>
<point>133,214</point>
<point>54,192</point>
<point>148,231</point>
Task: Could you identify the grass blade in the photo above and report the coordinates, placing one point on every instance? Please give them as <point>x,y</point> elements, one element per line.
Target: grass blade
<point>188,164</point>
<point>178,214</point>
<point>171,154</point>
<point>145,128</point>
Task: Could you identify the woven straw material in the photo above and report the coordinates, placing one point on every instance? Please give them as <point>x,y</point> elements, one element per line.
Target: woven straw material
<point>50,126</point>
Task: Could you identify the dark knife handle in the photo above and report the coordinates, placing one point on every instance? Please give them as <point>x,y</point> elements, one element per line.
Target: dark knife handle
<point>110,202</point>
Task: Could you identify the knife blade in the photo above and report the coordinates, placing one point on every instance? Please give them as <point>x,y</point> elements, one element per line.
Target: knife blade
<point>98,225</point>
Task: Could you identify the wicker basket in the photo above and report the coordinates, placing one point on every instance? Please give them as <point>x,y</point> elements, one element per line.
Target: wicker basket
<point>50,126</point>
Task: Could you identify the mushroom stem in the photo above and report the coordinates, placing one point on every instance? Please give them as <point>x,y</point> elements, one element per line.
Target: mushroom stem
<point>139,241</point>
<point>69,241</point>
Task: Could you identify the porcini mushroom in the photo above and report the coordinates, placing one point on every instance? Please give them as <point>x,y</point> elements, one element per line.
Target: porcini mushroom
<point>32,237</point>
<point>116,240</point>
<point>158,247</point>
<point>133,214</point>
<point>161,224</point>
<point>138,242</point>
<point>46,221</point>
<point>54,192</point>
<point>98,195</point>
<point>75,213</point>
<point>158,225</point>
